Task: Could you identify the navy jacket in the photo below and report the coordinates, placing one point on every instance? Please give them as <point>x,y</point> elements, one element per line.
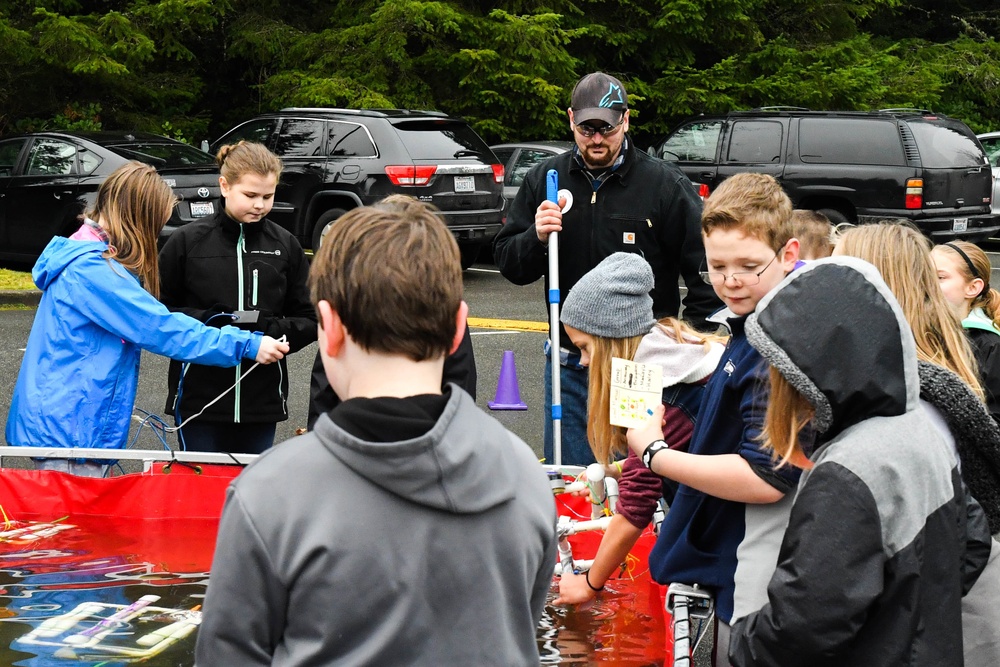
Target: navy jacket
<point>701,534</point>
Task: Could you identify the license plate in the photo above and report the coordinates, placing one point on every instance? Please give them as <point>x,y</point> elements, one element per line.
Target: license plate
<point>960,224</point>
<point>202,208</point>
<point>465,184</point>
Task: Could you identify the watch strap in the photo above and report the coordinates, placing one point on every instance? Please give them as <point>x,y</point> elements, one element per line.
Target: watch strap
<point>652,449</point>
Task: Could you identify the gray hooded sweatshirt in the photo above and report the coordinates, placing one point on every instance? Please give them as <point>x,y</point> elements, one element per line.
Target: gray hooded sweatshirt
<point>438,550</point>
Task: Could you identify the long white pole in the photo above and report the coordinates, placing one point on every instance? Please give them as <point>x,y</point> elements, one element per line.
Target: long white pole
<point>552,194</point>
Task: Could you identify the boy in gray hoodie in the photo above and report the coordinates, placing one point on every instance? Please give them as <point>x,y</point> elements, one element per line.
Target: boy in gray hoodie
<point>408,527</point>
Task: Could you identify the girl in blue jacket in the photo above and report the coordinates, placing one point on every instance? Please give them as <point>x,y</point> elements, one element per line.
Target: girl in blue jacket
<point>77,383</point>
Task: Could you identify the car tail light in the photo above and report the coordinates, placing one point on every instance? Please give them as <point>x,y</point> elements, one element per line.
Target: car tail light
<point>408,174</point>
<point>497,173</point>
<point>703,191</point>
<point>915,193</point>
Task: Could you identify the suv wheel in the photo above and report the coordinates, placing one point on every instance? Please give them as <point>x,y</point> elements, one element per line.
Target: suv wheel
<point>834,216</point>
<point>319,230</point>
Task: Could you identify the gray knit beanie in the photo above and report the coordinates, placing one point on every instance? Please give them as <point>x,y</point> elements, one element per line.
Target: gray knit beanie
<point>612,300</point>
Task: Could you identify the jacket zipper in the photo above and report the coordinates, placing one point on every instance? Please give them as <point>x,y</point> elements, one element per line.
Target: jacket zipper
<point>254,297</point>
<point>240,248</point>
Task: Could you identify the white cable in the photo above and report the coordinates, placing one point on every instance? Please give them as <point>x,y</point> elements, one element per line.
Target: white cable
<point>174,429</point>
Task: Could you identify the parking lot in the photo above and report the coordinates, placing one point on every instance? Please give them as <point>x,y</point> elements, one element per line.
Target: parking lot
<point>491,301</point>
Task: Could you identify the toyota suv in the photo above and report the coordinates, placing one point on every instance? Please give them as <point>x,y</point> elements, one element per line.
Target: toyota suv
<point>339,159</point>
<point>48,179</point>
<point>851,166</point>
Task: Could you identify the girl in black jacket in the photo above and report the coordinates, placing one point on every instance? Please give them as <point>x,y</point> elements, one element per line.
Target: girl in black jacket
<point>964,275</point>
<point>237,260</point>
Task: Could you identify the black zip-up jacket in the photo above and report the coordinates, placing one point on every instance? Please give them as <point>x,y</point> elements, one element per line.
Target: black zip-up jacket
<point>646,206</point>
<point>219,266</point>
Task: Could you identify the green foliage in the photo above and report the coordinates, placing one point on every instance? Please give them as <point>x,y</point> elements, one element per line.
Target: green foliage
<point>193,68</point>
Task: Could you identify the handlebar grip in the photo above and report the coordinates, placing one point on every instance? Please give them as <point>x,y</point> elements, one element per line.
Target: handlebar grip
<point>552,186</point>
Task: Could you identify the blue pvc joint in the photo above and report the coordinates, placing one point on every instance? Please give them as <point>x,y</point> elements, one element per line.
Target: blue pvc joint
<point>553,296</point>
<point>557,412</point>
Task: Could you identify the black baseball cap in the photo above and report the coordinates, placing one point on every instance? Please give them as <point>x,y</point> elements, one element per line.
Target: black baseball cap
<point>599,96</point>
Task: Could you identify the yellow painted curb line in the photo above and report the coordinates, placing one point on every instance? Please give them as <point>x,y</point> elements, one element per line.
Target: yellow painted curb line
<point>515,325</point>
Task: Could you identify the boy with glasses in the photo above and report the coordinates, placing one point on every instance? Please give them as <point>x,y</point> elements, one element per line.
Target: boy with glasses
<point>725,524</point>
<point>613,197</point>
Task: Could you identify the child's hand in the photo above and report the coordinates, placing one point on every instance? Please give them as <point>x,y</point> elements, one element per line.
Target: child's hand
<point>639,438</point>
<point>271,350</point>
<point>573,589</point>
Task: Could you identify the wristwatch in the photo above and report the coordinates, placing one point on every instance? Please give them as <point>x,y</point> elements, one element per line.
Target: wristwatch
<point>652,449</point>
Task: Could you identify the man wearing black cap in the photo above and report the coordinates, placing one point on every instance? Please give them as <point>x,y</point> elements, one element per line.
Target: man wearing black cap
<point>613,197</point>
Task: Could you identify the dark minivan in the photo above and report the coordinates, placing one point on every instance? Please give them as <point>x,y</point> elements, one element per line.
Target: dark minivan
<point>339,159</point>
<point>851,166</point>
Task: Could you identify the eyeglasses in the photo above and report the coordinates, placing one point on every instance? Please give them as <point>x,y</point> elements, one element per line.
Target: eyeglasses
<point>606,130</point>
<point>745,278</point>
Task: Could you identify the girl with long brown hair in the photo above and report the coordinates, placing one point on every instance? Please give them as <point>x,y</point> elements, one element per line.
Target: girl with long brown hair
<point>77,382</point>
<point>883,539</point>
<point>609,314</point>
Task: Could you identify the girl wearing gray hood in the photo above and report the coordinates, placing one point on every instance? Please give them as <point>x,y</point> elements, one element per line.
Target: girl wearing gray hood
<point>868,572</point>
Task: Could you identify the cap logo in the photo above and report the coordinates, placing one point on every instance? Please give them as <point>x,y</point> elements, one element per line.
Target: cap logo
<point>612,97</point>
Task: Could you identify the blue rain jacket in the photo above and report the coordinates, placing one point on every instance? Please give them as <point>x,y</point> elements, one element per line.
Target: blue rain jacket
<point>78,379</point>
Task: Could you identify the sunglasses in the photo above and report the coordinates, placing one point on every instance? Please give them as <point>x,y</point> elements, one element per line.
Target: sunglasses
<point>605,130</point>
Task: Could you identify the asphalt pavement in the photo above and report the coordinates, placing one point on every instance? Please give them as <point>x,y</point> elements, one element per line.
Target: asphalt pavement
<point>489,295</point>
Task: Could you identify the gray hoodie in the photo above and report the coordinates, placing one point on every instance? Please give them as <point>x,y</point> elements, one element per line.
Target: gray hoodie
<point>438,550</point>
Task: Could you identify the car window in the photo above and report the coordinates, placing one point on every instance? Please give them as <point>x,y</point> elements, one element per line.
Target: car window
<point>9,151</point>
<point>299,137</point>
<point>695,142</point>
<point>163,156</point>
<point>525,161</point>
<point>944,145</point>
<point>503,154</point>
<point>349,140</point>
<point>850,141</point>
<point>259,131</point>
<point>88,161</point>
<point>992,146</point>
<point>441,140</point>
<point>755,141</point>
<point>50,157</point>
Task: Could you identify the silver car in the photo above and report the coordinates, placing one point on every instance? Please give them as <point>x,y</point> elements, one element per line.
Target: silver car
<point>519,158</point>
<point>991,144</point>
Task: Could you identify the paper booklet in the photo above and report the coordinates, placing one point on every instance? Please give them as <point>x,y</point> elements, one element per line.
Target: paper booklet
<point>635,390</point>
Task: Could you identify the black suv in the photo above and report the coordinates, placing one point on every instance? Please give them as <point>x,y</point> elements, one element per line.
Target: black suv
<point>339,159</point>
<point>851,166</point>
<point>48,179</point>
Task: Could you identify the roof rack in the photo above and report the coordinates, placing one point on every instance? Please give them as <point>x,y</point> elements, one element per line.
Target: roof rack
<point>906,110</point>
<point>781,108</point>
<point>321,109</point>
<point>366,111</point>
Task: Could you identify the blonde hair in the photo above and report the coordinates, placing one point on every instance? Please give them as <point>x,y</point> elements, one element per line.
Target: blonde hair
<point>247,157</point>
<point>608,441</point>
<point>752,203</point>
<point>788,412</point>
<point>814,232</point>
<point>903,256</point>
<point>133,204</point>
<point>988,299</point>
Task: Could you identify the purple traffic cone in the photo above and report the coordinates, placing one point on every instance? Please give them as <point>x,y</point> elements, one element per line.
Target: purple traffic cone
<point>508,396</point>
